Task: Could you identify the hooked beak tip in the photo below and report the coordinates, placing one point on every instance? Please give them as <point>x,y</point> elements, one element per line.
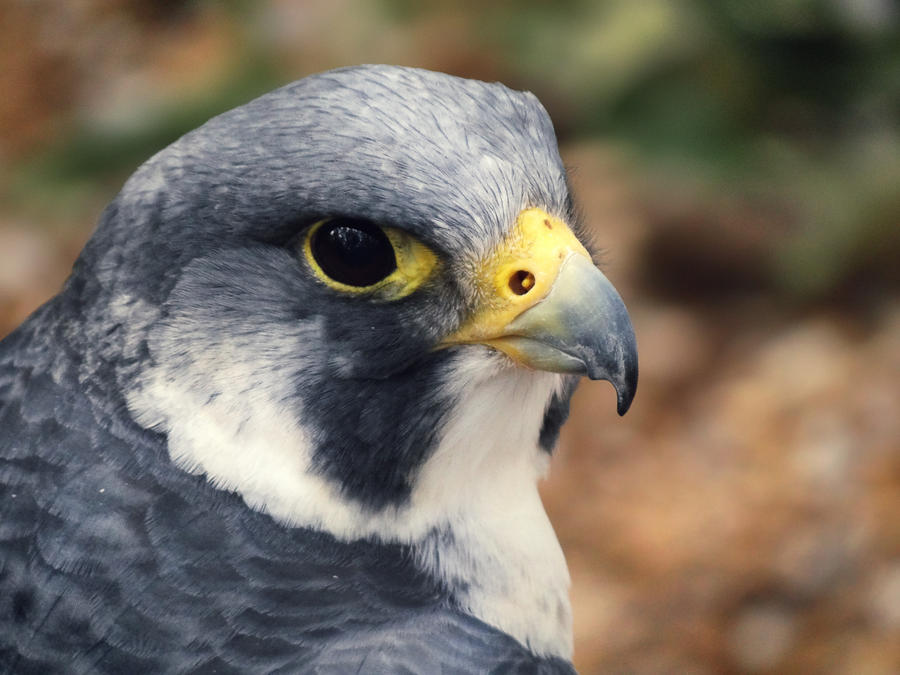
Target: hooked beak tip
<point>623,379</point>
<point>623,401</point>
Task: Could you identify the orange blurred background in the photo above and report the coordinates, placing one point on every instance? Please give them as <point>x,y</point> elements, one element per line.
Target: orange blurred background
<point>740,165</point>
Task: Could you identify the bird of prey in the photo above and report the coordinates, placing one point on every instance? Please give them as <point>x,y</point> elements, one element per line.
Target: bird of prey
<point>289,410</point>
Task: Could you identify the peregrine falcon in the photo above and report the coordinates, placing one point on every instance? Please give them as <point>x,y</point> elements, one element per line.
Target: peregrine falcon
<point>289,411</point>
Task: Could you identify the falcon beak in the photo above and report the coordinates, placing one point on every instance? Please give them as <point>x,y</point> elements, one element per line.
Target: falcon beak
<point>546,306</point>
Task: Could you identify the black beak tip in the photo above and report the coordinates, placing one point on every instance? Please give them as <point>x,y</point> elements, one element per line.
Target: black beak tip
<point>625,384</point>
<point>624,403</point>
<point>626,390</point>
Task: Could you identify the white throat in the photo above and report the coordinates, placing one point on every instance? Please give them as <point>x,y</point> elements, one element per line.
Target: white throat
<point>484,475</point>
<point>479,486</point>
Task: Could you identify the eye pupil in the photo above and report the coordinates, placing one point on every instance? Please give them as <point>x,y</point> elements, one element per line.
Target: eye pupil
<point>353,252</point>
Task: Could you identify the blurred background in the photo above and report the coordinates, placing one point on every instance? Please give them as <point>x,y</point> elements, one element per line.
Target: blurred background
<point>740,164</point>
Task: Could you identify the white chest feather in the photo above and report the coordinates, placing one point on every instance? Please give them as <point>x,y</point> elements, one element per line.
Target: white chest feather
<point>480,484</point>
<point>484,475</point>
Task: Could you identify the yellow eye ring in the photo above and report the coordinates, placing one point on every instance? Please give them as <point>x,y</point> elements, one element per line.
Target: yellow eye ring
<point>358,257</point>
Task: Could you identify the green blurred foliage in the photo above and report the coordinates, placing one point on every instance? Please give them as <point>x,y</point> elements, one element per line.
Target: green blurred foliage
<point>792,102</point>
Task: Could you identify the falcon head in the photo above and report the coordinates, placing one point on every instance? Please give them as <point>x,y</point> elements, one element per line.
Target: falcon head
<point>362,302</point>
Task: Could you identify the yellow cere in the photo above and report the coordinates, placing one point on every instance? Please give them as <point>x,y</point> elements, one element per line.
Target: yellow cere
<point>518,274</point>
<point>415,264</point>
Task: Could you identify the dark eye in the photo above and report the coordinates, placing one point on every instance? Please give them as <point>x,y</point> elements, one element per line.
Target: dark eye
<point>353,252</point>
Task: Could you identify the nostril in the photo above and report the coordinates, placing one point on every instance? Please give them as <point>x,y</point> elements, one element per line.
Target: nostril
<point>521,282</point>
